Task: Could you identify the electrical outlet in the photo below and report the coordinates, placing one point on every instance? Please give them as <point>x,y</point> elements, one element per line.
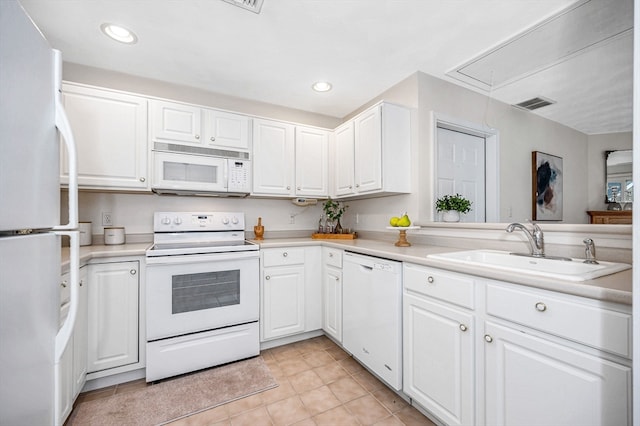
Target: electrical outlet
<point>292,218</point>
<point>107,219</point>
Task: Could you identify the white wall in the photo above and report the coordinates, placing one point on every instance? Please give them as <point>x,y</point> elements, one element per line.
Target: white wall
<point>520,133</point>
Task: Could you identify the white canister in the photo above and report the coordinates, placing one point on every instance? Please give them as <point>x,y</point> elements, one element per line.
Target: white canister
<point>114,235</point>
<point>85,233</point>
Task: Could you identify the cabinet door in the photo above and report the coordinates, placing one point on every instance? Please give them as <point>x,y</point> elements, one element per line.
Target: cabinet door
<point>439,359</point>
<point>80,346</point>
<point>532,381</point>
<point>226,130</point>
<point>173,122</point>
<point>113,315</point>
<point>110,130</point>
<point>344,159</point>
<point>282,301</point>
<point>332,302</point>
<point>273,158</point>
<point>368,150</point>
<point>312,162</point>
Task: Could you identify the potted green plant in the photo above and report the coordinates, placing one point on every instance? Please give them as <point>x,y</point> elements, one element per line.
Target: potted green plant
<point>334,210</point>
<point>452,206</point>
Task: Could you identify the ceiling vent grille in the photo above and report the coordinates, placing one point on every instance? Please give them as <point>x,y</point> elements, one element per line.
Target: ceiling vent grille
<point>252,5</point>
<point>535,103</point>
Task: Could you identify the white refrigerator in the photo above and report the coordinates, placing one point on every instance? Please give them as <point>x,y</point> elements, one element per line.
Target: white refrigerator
<point>31,126</point>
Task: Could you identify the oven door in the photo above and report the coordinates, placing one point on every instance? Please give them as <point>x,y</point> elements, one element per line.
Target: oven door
<point>192,293</point>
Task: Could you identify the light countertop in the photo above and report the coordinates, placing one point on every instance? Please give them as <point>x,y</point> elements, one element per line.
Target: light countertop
<point>613,288</point>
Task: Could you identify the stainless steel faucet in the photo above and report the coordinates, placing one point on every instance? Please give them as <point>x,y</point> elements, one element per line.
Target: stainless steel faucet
<point>590,251</point>
<point>535,237</point>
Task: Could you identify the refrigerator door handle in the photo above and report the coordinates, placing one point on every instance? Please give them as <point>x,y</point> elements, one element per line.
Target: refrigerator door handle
<point>64,334</point>
<point>62,123</point>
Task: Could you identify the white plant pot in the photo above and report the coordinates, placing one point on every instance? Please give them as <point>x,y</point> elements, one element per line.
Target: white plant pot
<point>451,216</point>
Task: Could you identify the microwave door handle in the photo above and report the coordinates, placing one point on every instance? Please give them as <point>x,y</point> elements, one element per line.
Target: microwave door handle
<point>225,174</point>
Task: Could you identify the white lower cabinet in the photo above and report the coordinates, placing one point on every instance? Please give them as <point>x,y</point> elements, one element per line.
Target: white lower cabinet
<point>332,292</point>
<point>113,300</point>
<point>439,343</point>
<point>554,359</point>
<point>532,381</point>
<point>485,352</point>
<point>72,370</point>
<point>290,291</point>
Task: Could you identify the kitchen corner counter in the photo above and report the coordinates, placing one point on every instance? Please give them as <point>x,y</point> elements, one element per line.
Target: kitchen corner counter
<point>103,251</point>
<point>612,288</point>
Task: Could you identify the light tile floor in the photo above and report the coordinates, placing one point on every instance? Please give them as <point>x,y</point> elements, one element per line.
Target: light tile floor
<point>319,384</point>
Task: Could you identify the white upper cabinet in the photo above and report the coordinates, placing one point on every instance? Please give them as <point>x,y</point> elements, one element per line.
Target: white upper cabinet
<point>312,162</point>
<point>373,153</point>
<point>189,124</point>
<point>290,160</point>
<point>110,129</point>
<point>273,157</point>
<point>344,159</point>
<point>226,130</point>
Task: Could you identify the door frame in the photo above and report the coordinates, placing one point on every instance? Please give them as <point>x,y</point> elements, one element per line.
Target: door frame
<point>492,160</point>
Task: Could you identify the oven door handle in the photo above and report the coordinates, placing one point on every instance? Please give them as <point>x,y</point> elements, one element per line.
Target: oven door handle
<point>199,258</point>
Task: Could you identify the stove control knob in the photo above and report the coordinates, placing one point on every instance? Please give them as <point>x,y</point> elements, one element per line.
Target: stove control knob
<point>166,221</point>
<point>177,221</point>
<point>235,220</point>
<point>225,220</point>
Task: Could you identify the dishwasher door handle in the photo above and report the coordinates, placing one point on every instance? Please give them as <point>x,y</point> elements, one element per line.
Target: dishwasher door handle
<point>368,268</point>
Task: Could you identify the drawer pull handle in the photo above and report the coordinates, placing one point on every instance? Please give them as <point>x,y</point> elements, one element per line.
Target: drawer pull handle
<point>541,307</point>
<point>463,327</point>
<point>133,272</point>
<point>285,254</point>
<point>430,280</point>
<point>268,277</point>
<point>488,338</point>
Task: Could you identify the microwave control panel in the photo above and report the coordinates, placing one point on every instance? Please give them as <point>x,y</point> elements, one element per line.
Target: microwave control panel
<point>239,176</point>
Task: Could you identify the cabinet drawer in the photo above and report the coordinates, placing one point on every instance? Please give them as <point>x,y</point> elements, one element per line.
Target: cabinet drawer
<point>332,257</point>
<point>450,287</point>
<point>282,257</point>
<point>574,318</point>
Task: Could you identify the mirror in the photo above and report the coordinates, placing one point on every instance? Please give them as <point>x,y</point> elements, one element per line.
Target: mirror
<point>619,178</point>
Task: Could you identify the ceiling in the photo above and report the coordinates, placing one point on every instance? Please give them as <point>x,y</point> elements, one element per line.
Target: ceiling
<point>362,47</point>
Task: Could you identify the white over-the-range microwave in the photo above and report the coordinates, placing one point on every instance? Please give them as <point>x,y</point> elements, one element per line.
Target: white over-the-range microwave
<point>189,170</point>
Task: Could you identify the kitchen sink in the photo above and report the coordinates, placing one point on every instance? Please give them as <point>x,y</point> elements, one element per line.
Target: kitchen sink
<point>560,268</point>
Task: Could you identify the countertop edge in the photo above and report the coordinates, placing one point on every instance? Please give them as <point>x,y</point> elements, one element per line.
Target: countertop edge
<point>614,288</point>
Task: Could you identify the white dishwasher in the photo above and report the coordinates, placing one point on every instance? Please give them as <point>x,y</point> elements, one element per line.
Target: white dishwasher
<point>372,314</point>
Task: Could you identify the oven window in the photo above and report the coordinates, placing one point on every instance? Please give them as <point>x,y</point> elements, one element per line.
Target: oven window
<point>207,290</point>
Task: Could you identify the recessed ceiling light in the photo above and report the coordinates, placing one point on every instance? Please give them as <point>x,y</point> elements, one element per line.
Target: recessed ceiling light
<point>119,33</point>
<point>321,86</point>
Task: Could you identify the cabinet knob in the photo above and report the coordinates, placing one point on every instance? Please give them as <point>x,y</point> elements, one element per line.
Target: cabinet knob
<point>63,284</point>
<point>197,136</point>
<point>81,283</point>
<point>541,307</point>
<point>285,254</point>
<point>133,272</point>
<point>288,187</point>
<point>213,139</point>
<point>330,254</point>
<point>298,188</point>
<point>268,277</point>
<point>463,327</point>
<point>143,179</point>
<point>357,185</point>
<point>350,186</point>
<point>430,280</point>
<point>488,338</point>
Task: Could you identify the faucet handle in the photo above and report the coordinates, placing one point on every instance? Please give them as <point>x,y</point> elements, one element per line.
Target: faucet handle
<point>590,251</point>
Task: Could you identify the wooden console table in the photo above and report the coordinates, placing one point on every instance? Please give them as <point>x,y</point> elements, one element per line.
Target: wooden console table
<point>614,217</point>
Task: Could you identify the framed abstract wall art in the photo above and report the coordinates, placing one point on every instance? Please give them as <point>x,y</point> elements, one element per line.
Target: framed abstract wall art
<point>547,186</point>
